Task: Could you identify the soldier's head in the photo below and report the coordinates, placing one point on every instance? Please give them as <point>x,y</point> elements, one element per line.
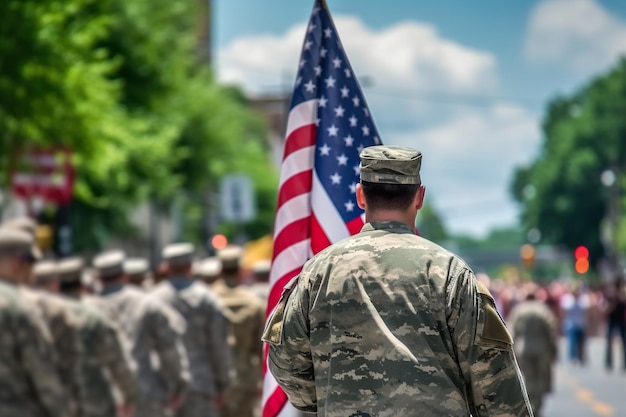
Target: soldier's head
<point>46,275</point>
<point>261,270</point>
<point>137,270</point>
<point>390,181</point>
<point>230,256</point>
<point>179,259</point>
<point>70,272</point>
<point>18,254</point>
<point>208,269</point>
<point>109,267</point>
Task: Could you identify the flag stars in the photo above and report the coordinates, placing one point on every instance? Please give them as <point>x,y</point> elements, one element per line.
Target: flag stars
<point>348,73</point>
<point>302,63</point>
<point>365,130</point>
<point>307,45</point>
<point>310,87</point>
<point>322,101</point>
<point>323,52</point>
<point>367,112</point>
<point>328,32</point>
<point>349,206</point>
<point>342,159</point>
<point>339,111</point>
<point>356,101</point>
<point>353,120</point>
<point>325,150</point>
<point>359,149</point>
<point>349,140</point>
<point>332,131</point>
<point>357,168</point>
<point>311,27</point>
<point>318,71</point>
<point>336,178</point>
<point>345,92</point>
<point>330,82</point>
<point>298,81</point>
<point>337,62</point>
<point>353,188</point>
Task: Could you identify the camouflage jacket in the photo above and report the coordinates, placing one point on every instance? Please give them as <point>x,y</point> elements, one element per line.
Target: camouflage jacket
<point>206,333</point>
<point>152,332</point>
<point>30,384</point>
<point>386,323</point>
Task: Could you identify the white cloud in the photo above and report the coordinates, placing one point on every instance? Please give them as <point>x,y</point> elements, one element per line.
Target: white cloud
<point>578,33</point>
<point>468,162</point>
<point>408,54</point>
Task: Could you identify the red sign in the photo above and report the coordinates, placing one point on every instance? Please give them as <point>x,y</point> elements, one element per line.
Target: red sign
<point>44,173</point>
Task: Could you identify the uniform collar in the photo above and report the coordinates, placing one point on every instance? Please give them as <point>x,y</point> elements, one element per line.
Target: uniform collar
<point>390,226</point>
<point>113,288</point>
<point>180,283</point>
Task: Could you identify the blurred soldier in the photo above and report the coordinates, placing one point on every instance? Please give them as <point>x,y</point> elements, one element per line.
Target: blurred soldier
<point>535,332</point>
<point>261,279</point>
<point>246,314</point>
<point>152,331</point>
<point>107,369</point>
<point>205,335</point>
<point>614,309</point>
<point>138,272</point>
<point>388,323</point>
<point>30,385</point>
<point>208,269</point>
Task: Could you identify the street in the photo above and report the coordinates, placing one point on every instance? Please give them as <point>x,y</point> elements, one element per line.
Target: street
<point>588,391</point>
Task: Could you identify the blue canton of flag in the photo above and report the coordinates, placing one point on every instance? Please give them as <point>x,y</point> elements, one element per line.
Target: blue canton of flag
<point>344,124</point>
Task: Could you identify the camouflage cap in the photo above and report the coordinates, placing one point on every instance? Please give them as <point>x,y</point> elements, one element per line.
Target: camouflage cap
<point>45,270</point>
<point>230,256</point>
<point>210,267</point>
<point>391,165</point>
<point>110,264</point>
<point>16,242</point>
<point>178,253</point>
<point>262,267</point>
<point>70,269</point>
<point>136,266</point>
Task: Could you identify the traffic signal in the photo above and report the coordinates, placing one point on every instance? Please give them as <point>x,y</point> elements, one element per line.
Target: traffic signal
<point>527,254</point>
<point>581,257</point>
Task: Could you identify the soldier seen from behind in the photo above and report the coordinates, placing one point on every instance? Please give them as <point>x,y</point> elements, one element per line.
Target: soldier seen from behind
<point>386,322</point>
<point>205,335</point>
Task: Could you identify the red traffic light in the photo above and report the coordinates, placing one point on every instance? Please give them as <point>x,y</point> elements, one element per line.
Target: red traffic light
<point>581,252</point>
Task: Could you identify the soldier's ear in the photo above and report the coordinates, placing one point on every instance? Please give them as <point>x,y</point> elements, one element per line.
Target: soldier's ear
<point>419,197</point>
<point>360,197</point>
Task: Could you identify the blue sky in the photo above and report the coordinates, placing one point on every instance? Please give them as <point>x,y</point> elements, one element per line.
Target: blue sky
<point>465,82</point>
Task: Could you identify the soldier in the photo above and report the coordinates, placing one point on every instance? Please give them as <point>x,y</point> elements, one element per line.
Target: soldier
<point>388,323</point>
<point>535,331</point>
<point>138,272</point>
<point>205,336</point>
<point>30,385</point>
<point>246,314</point>
<point>261,277</point>
<point>106,369</point>
<point>208,269</point>
<point>152,331</point>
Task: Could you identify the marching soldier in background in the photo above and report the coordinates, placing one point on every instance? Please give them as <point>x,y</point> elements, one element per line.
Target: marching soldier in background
<point>138,272</point>
<point>535,331</point>
<point>151,330</point>
<point>208,270</point>
<point>260,285</point>
<point>30,385</point>
<point>106,369</point>
<point>246,314</point>
<point>206,333</point>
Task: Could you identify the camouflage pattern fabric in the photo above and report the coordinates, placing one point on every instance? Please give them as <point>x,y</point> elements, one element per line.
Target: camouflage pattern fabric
<point>206,333</point>
<point>30,385</point>
<point>152,332</point>
<point>386,323</point>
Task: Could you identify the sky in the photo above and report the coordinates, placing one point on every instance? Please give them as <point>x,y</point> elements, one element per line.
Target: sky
<point>467,83</point>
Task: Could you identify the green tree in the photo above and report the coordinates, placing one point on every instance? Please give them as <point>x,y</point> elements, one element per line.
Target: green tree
<point>561,192</point>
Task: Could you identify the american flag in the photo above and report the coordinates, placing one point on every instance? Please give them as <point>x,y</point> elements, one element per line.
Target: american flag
<point>328,125</point>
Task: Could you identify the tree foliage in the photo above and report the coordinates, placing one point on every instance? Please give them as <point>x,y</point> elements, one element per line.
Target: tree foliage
<point>118,82</point>
<point>561,192</point>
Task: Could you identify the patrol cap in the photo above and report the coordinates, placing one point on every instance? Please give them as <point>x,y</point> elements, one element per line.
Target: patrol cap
<point>230,256</point>
<point>16,242</point>
<point>262,266</point>
<point>45,270</point>
<point>136,266</point>
<point>178,253</point>
<point>70,269</point>
<point>208,268</point>
<point>110,263</point>
<point>23,223</point>
<point>391,165</point>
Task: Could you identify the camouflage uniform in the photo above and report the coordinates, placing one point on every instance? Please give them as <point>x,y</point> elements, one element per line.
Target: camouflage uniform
<point>246,315</point>
<point>386,323</point>
<point>29,383</point>
<point>535,331</point>
<point>205,340</point>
